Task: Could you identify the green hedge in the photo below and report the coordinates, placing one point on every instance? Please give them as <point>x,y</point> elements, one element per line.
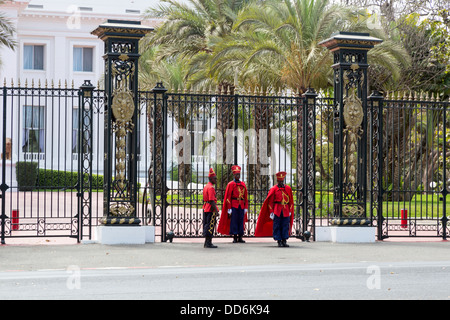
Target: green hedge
<point>48,178</point>
<point>26,173</point>
<point>29,177</point>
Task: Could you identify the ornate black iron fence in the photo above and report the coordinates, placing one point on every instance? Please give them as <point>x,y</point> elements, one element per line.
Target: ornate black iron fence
<point>52,155</point>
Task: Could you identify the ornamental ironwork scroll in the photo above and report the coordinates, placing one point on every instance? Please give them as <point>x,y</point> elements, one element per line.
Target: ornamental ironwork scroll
<point>353,115</point>
<point>123,109</point>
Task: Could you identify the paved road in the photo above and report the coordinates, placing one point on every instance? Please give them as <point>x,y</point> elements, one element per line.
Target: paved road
<point>255,270</point>
<point>417,280</point>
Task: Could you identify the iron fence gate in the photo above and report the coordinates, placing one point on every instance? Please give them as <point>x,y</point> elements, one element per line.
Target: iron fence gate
<point>262,134</point>
<point>39,161</point>
<point>414,153</point>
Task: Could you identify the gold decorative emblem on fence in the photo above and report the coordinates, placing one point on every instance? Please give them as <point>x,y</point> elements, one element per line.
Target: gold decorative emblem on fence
<point>123,110</point>
<point>353,118</point>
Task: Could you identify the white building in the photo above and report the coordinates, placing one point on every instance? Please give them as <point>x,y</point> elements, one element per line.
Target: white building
<point>55,41</point>
<point>55,47</point>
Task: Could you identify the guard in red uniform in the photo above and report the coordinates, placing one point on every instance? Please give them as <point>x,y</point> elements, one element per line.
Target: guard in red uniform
<point>235,206</point>
<point>209,209</point>
<point>277,213</point>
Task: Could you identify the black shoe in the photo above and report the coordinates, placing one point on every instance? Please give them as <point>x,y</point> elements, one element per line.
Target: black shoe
<point>208,244</point>
<point>279,243</point>
<point>240,240</point>
<point>235,238</point>
<point>284,244</point>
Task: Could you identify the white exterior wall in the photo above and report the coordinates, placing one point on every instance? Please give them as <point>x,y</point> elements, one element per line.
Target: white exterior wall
<point>60,26</point>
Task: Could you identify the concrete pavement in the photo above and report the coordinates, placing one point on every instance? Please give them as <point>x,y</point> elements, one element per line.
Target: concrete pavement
<point>183,253</point>
<point>233,273</point>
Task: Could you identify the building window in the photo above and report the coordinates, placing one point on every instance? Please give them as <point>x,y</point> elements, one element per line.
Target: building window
<point>33,132</point>
<point>82,59</point>
<point>33,57</point>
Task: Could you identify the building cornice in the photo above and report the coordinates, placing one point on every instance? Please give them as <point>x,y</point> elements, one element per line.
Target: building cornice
<point>88,16</point>
<point>20,6</point>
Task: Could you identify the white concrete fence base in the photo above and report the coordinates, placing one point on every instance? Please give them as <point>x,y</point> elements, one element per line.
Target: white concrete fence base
<point>343,234</point>
<point>116,235</point>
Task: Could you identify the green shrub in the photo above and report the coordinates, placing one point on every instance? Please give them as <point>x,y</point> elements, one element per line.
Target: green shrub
<point>26,173</point>
<point>30,177</point>
<point>48,178</point>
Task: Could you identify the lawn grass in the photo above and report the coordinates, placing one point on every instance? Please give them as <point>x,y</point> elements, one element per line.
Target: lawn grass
<point>422,206</point>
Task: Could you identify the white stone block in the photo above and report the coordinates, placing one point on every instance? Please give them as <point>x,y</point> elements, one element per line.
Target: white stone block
<point>149,234</point>
<point>121,235</point>
<point>323,234</point>
<point>342,234</point>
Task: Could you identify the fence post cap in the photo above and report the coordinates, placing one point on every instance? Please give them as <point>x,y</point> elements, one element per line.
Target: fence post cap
<point>159,88</point>
<point>87,85</point>
<point>310,92</point>
<point>376,95</point>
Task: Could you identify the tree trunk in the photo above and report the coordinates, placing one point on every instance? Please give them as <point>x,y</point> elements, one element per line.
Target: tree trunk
<point>156,147</point>
<point>262,114</point>
<point>225,112</point>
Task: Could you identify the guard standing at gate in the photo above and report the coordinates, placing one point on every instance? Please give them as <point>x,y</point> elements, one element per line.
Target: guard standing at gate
<point>209,209</point>
<point>277,213</point>
<point>234,209</point>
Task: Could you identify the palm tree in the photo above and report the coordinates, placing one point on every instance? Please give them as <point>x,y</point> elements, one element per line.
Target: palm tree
<point>191,32</point>
<point>277,42</point>
<point>171,72</point>
<point>285,36</point>
<point>193,29</point>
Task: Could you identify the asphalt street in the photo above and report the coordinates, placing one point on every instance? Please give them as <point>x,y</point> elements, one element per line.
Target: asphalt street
<point>416,280</point>
<point>251,271</point>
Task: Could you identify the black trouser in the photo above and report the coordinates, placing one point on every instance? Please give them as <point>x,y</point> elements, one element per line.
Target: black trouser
<point>209,222</point>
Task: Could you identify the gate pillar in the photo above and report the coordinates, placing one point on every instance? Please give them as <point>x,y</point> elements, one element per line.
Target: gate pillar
<point>350,126</point>
<point>120,190</point>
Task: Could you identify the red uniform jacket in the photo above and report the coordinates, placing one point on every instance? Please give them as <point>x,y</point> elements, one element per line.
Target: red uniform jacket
<point>235,195</point>
<point>209,194</point>
<point>278,199</point>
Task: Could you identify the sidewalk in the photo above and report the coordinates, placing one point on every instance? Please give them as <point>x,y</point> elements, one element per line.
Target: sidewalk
<point>55,254</point>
